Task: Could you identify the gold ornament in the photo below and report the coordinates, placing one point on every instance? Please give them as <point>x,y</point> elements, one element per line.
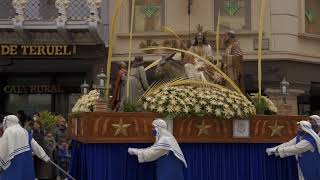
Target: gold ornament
<point>276,129</point>
<point>203,128</point>
<point>121,128</point>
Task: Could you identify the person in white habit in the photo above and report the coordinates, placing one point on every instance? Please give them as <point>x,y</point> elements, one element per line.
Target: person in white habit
<point>169,158</point>
<point>16,151</point>
<point>306,147</point>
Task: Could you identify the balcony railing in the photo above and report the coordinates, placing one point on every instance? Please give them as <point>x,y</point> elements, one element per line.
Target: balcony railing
<point>6,9</point>
<point>45,10</point>
<point>78,10</point>
<point>40,10</point>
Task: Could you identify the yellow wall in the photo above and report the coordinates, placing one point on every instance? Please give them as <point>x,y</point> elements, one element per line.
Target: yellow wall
<point>284,24</point>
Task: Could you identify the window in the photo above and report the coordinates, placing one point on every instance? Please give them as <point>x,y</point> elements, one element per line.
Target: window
<point>234,14</point>
<point>148,15</point>
<point>312,16</point>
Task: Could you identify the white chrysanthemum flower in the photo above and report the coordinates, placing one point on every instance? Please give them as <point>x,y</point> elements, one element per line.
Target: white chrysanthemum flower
<point>235,106</point>
<point>152,107</point>
<point>209,109</point>
<point>164,97</point>
<point>239,113</point>
<point>229,100</point>
<point>197,108</point>
<point>201,95</point>
<point>160,109</point>
<point>161,102</point>
<point>203,102</point>
<point>213,102</point>
<point>170,108</point>
<point>217,112</point>
<point>173,101</point>
<point>177,109</point>
<point>186,109</point>
<point>183,94</point>
<point>145,105</point>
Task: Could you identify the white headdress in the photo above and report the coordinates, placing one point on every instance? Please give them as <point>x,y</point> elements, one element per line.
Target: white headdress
<point>306,126</point>
<point>15,140</point>
<point>316,118</point>
<point>165,140</point>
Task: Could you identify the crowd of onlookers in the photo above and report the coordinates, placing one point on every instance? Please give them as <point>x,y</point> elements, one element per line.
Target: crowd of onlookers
<point>55,142</point>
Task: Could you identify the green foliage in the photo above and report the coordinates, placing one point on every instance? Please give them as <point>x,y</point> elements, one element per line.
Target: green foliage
<point>132,106</point>
<point>263,105</point>
<point>48,120</point>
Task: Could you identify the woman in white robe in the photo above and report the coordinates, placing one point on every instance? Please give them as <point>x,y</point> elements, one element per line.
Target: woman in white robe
<point>16,147</point>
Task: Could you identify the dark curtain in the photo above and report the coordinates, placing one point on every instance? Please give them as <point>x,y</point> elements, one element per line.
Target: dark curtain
<point>205,162</point>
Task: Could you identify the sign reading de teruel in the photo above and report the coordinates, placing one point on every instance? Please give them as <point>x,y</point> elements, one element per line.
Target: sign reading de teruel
<point>36,50</point>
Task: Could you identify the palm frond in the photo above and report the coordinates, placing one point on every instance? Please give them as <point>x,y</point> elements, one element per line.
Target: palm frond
<point>169,30</point>
<point>161,84</point>
<point>227,78</point>
<point>156,62</point>
<point>111,41</point>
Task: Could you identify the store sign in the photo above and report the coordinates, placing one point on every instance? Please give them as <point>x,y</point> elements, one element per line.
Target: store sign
<point>37,50</point>
<point>33,89</point>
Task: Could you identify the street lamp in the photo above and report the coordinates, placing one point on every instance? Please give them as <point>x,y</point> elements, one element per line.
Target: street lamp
<point>284,89</point>
<point>101,80</point>
<point>84,87</point>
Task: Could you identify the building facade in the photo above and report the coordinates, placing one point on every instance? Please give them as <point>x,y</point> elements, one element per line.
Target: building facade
<point>47,49</point>
<point>291,39</point>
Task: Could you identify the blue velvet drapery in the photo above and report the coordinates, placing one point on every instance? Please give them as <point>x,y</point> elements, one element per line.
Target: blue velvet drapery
<point>205,162</point>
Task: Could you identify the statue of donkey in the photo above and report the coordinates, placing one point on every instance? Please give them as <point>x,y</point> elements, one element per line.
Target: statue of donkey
<point>169,68</point>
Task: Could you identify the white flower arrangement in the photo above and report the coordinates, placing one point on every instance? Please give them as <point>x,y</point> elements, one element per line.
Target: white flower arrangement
<point>265,105</point>
<point>86,102</point>
<point>186,100</point>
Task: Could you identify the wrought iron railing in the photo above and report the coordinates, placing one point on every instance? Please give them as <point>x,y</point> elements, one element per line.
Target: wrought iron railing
<point>6,9</point>
<point>78,10</point>
<point>40,10</point>
<point>46,10</point>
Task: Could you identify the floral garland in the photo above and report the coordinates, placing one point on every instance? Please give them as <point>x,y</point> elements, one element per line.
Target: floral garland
<point>86,102</point>
<point>186,100</point>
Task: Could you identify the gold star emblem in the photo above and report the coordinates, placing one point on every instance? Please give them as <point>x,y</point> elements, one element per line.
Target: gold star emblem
<point>276,129</point>
<point>203,128</point>
<point>121,128</point>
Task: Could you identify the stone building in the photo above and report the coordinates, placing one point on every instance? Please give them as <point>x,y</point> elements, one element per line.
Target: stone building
<point>291,40</point>
<point>47,49</point>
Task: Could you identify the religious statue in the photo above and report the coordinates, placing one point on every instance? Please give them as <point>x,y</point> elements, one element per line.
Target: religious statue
<point>306,147</point>
<point>232,63</point>
<point>138,83</point>
<point>196,68</point>
<point>165,151</point>
<point>119,87</point>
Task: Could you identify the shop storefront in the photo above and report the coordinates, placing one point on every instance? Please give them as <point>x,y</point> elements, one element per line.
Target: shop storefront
<point>43,77</point>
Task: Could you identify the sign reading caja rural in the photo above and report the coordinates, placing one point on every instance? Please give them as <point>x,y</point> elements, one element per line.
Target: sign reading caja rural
<point>37,50</point>
<point>33,89</point>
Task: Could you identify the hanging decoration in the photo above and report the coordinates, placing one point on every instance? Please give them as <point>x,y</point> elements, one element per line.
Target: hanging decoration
<point>231,8</point>
<point>150,10</point>
<point>310,15</point>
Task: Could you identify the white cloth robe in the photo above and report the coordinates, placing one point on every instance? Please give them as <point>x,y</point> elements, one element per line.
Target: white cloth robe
<point>150,154</point>
<point>290,148</point>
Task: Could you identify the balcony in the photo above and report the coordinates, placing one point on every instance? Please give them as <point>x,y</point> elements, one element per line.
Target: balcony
<point>54,21</point>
